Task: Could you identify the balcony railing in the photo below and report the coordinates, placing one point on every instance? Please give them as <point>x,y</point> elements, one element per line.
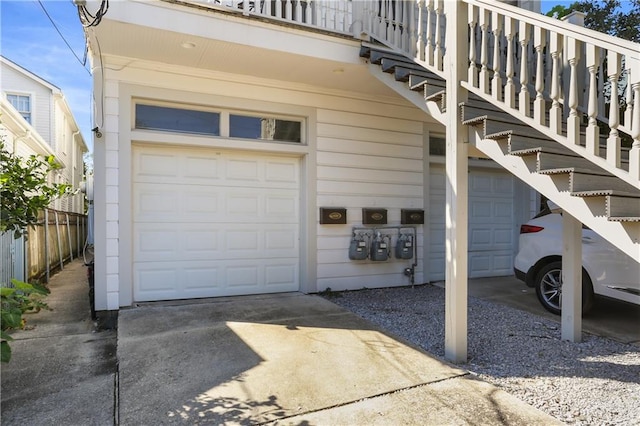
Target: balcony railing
<point>331,15</point>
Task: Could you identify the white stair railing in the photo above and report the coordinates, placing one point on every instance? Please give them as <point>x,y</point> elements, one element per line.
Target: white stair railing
<point>575,76</point>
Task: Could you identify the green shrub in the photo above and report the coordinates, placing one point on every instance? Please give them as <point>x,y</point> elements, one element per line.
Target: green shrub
<point>14,303</point>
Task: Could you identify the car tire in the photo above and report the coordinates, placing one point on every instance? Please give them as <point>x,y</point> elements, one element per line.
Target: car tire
<point>548,286</point>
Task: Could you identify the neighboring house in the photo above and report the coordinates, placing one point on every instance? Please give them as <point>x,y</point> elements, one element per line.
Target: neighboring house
<point>226,127</point>
<point>37,120</point>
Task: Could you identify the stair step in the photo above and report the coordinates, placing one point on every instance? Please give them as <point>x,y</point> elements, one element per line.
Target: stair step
<point>520,146</point>
<point>495,129</point>
<point>582,183</point>
<point>389,65</point>
<point>619,206</point>
<point>367,48</point>
<point>473,111</point>
<point>439,97</point>
<point>429,83</point>
<point>418,77</point>
<point>376,57</point>
<point>417,81</point>
<point>553,161</point>
<point>605,192</point>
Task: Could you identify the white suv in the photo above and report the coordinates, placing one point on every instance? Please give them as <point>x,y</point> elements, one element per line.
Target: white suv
<point>606,271</point>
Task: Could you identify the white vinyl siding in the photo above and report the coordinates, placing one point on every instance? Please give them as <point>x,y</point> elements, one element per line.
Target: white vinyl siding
<point>365,160</point>
<point>41,103</point>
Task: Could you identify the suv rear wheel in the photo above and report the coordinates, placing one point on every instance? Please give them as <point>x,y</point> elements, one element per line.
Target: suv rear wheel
<point>549,288</point>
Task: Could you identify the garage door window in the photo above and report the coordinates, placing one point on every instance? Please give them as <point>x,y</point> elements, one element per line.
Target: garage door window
<point>153,117</point>
<point>271,129</point>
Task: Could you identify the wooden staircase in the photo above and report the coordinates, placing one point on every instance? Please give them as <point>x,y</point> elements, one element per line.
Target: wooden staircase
<point>590,193</point>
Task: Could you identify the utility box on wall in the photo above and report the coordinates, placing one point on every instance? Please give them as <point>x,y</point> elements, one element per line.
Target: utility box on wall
<point>374,216</point>
<point>333,215</point>
<point>412,216</point>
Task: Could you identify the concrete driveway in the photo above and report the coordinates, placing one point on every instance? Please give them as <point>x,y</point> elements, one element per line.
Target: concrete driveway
<point>289,359</point>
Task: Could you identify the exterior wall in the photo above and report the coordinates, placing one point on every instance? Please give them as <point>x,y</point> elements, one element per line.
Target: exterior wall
<point>53,125</point>
<point>70,148</point>
<point>372,145</point>
<point>366,160</point>
<point>19,137</point>
<point>15,82</point>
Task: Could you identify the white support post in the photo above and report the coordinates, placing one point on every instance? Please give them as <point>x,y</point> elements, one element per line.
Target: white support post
<point>571,302</point>
<point>457,187</point>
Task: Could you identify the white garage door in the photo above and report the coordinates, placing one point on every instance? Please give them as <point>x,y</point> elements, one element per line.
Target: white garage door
<point>492,223</point>
<point>212,223</point>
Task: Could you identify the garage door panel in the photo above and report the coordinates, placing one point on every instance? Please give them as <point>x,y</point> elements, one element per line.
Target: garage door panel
<point>157,243</point>
<point>170,203</point>
<point>154,166</point>
<point>219,223</point>
<point>490,264</point>
<point>491,223</point>
<point>243,205</point>
<point>281,206</point>
<point>160,280</point>
<point>203,242</point>
<point>503,210</point>
<point>203,279</point>
<point>153,242</point>
<point>198,168</point>
<point>246,276</point>
<point>280,275</point>
<point>181,280</point>
<point>480,210</point>
<point>282,172</point>
<point>503,238</point>
<point>174,203</point>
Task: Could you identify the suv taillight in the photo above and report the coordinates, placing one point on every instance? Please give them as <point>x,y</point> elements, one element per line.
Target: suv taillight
<point>528,229</point>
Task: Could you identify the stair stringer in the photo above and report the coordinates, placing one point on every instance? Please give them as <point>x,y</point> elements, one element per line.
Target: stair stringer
<point>591,211</point>
<point>415,98</point>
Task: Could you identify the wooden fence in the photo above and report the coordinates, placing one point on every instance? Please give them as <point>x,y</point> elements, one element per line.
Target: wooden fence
<point>57,238</point>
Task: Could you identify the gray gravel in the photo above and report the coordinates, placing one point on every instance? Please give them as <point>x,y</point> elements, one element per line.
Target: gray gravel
<point>595,382</point>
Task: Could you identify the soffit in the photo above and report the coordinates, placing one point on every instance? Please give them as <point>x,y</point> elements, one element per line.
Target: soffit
<point>157,45</point>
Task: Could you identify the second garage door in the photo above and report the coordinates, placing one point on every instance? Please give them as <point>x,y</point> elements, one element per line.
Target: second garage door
<point>492,223</point>
<point>210,223</point>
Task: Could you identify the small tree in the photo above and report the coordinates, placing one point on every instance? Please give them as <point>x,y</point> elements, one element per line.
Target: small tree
<point>606,16</point>
<point>24,191</point>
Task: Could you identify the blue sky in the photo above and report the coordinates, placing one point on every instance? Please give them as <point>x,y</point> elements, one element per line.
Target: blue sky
<point>29,39</point>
